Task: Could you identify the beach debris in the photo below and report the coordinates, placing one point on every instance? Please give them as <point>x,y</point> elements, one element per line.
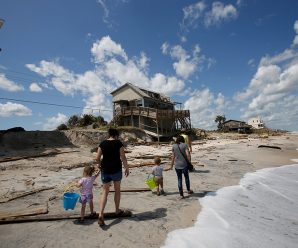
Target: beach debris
<point>16,195</point>
<point>35,218</point>
<point>133,190</point>
<point>26,212</point>
<point>45,154</point>
<point>273,147</point>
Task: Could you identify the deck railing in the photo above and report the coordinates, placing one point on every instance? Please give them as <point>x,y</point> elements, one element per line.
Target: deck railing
<point>151,112</point>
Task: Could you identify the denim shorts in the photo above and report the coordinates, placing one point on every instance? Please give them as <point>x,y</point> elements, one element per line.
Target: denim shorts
<point>106,178</point>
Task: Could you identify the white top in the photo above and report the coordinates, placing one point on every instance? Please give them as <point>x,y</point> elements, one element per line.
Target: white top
<point>157,170</point>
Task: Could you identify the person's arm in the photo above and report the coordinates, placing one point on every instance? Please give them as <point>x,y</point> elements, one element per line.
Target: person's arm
<point>173,160</point>
<point>187,154</point>
<point>189,144</point>
<point>124,161</point>
<point>98,157</point>
<point>79,183</point>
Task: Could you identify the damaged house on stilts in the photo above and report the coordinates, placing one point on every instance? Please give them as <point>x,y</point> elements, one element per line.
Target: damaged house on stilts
<point>153,112</point>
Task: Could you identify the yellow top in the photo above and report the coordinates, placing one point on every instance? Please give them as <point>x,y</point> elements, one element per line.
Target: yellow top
<point>186,140</point>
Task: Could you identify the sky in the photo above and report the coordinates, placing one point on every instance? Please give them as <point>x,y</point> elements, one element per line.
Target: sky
<point>237,58</point>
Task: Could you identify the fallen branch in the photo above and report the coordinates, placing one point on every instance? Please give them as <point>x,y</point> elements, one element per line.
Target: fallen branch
<point>16,195</point>
<point>151,156</point>
<point>23,219</point>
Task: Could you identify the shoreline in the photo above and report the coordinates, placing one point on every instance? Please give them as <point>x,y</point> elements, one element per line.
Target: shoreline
<point>226,162</point>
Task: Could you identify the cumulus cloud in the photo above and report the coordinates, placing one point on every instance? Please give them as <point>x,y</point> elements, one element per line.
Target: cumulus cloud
<point>270,90</point>
<point>106,48</point>
<point>34,87</point>
<point>204,106</point>
<point>53,122</point>
<point>113,68</point>
<point>187,64</point>
<point>9,109</point>
<point>8,85</point>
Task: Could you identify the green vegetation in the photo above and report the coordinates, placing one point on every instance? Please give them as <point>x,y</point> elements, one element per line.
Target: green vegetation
<point>76,121</point>
<point>220,119</point>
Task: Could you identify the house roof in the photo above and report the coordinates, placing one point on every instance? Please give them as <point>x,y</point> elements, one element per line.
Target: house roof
<point>145,93</point>
<point>233,120</point>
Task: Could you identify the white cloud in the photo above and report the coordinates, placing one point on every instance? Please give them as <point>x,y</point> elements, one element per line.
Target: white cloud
<point>295,42</point>
<point>34,87</point>
<point>9,109</point>
<point>106,11</point>
<point>220,13</point>
<point>204,106</point>
<point>187,64</point>
<point>166,85</point>
<point>192,13</point>
<point>8,85</point>
<point>273,91</point>
<point>106,48</point>
<point>165,48</point>
<point>112,69</point>
<point>53,122</point>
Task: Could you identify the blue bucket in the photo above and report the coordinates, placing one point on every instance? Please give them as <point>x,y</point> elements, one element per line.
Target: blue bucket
<point>70,200</point>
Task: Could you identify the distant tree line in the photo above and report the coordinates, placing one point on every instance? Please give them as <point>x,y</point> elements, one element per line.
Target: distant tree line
<point>83,121</point>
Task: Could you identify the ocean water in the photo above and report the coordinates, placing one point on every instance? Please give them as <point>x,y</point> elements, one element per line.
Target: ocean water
<point>262,211</point>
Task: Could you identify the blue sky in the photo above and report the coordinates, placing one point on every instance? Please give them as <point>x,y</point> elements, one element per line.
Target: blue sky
<point>238,58</point>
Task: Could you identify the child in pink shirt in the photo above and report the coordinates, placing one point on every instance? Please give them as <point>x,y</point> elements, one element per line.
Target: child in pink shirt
<point>86,184</point>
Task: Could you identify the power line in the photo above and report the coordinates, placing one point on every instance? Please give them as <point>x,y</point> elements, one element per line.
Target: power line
<point>53,104</point>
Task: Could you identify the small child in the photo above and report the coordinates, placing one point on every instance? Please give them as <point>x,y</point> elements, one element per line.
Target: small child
<point>86,184</point>
<point>157,173</point>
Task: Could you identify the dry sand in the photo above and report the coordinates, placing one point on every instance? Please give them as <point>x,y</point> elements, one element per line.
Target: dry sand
<point>225,160</point>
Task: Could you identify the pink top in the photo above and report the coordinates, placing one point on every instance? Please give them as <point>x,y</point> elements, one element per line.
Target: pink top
<point>87,185</point>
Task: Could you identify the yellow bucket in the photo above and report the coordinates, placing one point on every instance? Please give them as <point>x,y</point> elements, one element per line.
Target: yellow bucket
<point>151,182</point>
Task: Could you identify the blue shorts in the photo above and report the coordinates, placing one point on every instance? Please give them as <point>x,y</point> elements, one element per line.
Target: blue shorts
<point>106,178</point>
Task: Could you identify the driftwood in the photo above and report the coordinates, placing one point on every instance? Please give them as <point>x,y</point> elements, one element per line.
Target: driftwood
<point>16,195</point>
<point>27,212</point>
<point>151,156</point>
<point>273,147</point>
<point>133,190</point>
<point>52,153</point>
<point>23,219</point>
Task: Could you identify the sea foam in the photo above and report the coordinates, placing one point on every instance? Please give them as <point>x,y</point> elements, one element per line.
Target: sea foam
<point>262,211</point>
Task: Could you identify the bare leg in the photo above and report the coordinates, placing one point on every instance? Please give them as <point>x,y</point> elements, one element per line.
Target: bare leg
<point>83,211</point>
<point>117,195</point>
<point>91,206</point>
<point>103,199</point>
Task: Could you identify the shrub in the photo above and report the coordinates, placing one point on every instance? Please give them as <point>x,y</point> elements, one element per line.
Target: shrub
<point>62,127</point>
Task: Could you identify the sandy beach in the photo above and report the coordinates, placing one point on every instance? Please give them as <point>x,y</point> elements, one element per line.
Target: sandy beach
<point>219,161</point>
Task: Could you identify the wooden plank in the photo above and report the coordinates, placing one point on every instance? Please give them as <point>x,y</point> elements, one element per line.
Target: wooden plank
<point>133,190</point>
<point>26,212</point>
<point>22,194</point>
<point>109,215</point>
<point>273,147</point>
<point>8,159</point>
